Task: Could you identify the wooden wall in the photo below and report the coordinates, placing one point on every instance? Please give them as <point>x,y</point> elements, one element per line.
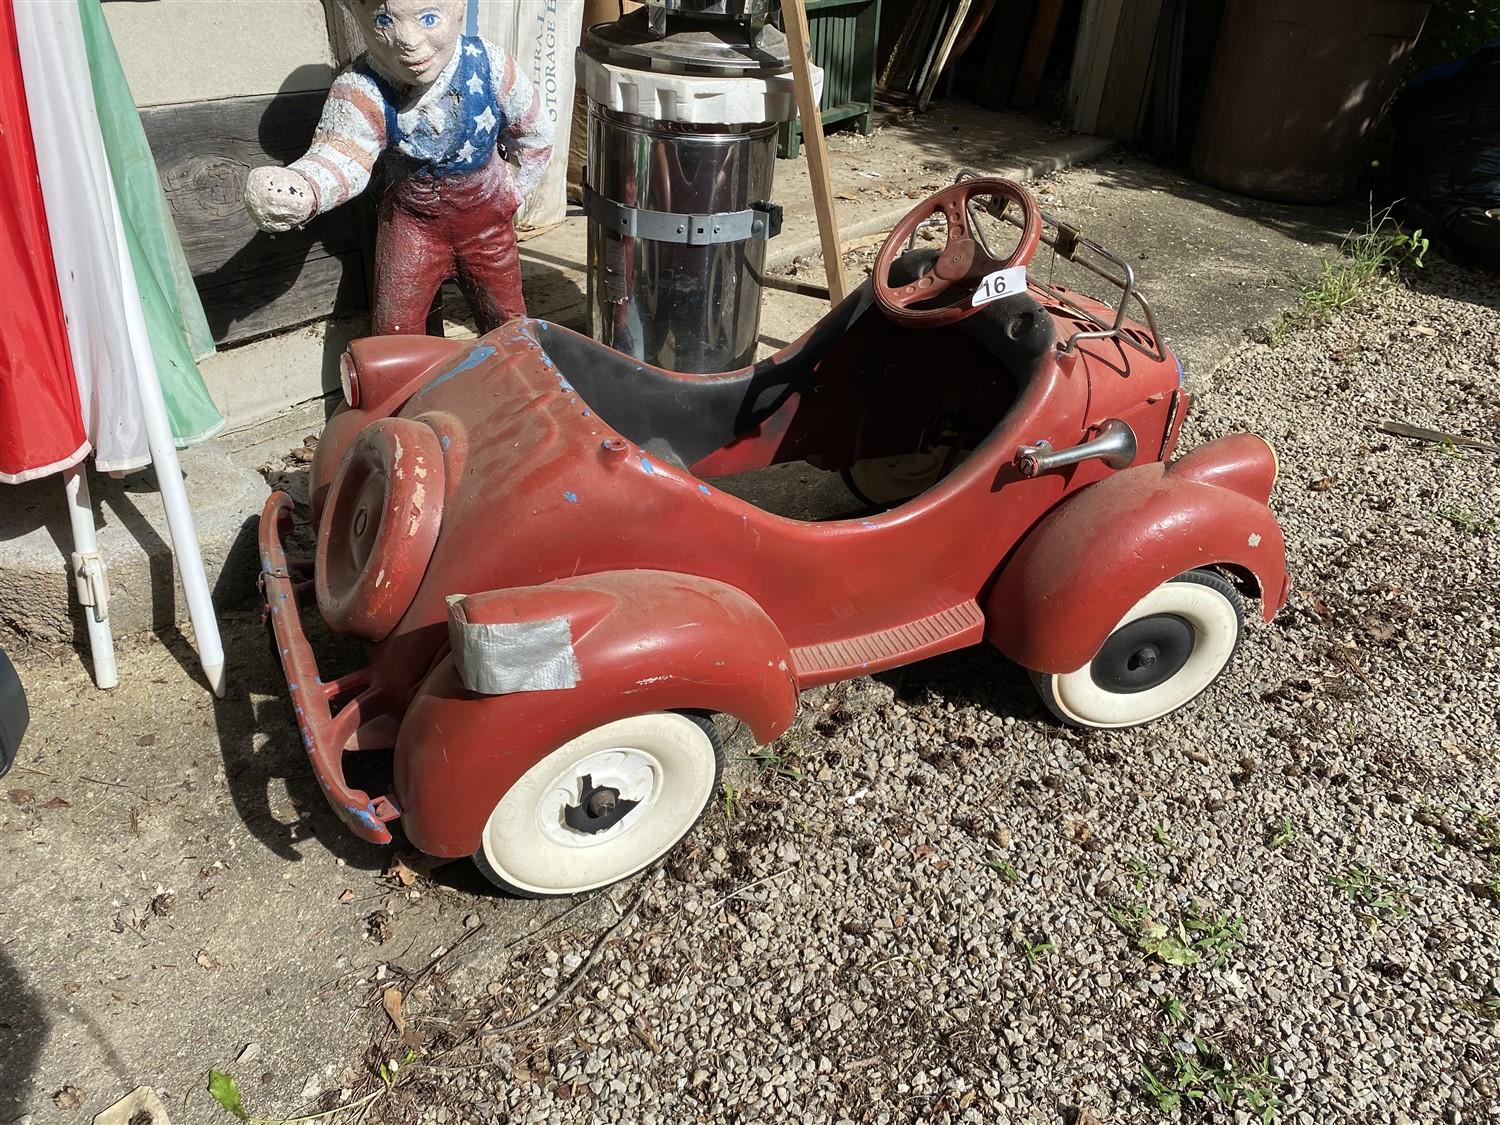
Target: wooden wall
<point>253,283</point>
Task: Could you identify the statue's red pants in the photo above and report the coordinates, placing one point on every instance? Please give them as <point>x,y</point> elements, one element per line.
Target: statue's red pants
<point>436,228</point>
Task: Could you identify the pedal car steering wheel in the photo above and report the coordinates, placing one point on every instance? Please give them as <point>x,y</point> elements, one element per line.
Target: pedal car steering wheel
<point>964,260</point>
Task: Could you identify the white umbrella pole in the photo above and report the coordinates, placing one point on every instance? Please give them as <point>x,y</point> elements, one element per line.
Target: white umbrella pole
<point>87,568</point>
<point>180,524</point>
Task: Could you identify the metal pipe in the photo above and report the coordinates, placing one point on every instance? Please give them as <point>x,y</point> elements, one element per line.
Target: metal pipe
<point>180,525</point>
<point>86,566</point>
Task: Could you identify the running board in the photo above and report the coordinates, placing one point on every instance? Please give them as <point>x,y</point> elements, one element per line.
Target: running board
<point>959,627</point>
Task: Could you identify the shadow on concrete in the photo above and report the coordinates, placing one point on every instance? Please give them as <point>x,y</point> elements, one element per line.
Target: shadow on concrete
<point>958,133</point>
<point>23,1031</point>
<point>1308,224</point>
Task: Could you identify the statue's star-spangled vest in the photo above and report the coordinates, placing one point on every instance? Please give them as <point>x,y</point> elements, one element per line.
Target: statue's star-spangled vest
<point>466,139</point>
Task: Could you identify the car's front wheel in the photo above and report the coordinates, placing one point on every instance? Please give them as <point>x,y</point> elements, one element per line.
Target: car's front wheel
<point>603,806</point>
<point>1161,655</point>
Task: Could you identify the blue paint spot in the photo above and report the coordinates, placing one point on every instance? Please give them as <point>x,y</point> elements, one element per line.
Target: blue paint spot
<point>365,816</point>
<point>564,384</point>
<point>468,363</point>
<point>570,497</point>
<point>587,414</point>
<point>1178,362</point>
<point>445,441</point>
<point>648,466</point>
<point>866,523</point>
<point>292,686</point>
<point>703,488</point>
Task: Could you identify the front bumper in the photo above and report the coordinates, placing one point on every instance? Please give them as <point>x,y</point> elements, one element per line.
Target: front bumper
<point>361,723</point>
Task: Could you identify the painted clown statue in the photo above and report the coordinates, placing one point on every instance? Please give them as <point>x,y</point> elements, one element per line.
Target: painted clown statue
<point>465,140</point>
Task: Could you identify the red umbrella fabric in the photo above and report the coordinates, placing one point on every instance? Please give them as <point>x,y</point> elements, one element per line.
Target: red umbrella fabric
<point>41,421</point>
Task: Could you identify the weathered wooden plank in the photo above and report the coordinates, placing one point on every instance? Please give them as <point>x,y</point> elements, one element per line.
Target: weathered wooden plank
<point>251,282</point>
<point>241,307</point>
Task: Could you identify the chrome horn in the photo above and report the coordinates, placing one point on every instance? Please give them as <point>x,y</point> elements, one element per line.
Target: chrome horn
<point>1115,446</point>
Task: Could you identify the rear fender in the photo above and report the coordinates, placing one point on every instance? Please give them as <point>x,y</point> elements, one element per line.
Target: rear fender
<point>641,641</point>
<point>1061,592</point>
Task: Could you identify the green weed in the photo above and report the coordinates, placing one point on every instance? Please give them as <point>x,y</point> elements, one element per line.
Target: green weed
<point>1369,888</point>
<point>730,796</point>
<point>1471,522</point>
<point>1036,950</point>
<point>1367,260</point>
<point>1283,834</point>
<point>226,1091</point>
<point>1005,867</point>
<point>1196,937</point>
<point>1203,1076</point>
<point>1172,1007</point>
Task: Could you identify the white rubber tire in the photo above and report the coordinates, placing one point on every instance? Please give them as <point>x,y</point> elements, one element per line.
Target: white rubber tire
<point>667,761</point>
<point>1210,604</point>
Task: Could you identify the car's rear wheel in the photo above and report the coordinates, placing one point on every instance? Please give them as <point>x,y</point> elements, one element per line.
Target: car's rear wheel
<point>603,806</point>
<point>1166,650</point>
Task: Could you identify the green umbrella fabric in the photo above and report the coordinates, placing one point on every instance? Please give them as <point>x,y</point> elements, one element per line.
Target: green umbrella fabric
<point>179,331</point>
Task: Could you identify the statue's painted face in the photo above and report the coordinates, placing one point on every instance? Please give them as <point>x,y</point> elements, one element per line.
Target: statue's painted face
<point>411,40</point>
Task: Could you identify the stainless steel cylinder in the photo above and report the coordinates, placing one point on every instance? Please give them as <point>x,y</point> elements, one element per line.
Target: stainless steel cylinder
<point>692,308</point>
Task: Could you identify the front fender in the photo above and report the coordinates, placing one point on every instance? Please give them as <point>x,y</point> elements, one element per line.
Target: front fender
<point>1098,553</point>
<point>642,641</point>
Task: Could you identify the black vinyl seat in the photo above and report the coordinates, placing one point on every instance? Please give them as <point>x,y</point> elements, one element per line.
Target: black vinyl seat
<point>684,418</point>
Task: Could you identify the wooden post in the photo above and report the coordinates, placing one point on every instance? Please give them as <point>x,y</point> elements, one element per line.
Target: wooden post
<point>795,18</point>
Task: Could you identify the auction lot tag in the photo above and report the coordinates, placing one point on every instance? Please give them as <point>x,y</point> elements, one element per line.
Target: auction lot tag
<point>1001,283</point>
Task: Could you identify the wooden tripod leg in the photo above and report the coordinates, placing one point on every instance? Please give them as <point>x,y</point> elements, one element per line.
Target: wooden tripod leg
<point>794,14</point>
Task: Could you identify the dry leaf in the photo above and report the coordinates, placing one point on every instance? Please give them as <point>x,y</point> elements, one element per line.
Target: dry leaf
<point>207,960</point>
<point>347,897</point>
<point>641,1029</point>
<point>69,1097</point>
<point>379,927</point>
<point>1322,484</point>
<point>57,803</point>
<point>922,851</point>
<point>391,998</point>
<point>22,796</point>
<point>848,197</point>
<point>399,871</point>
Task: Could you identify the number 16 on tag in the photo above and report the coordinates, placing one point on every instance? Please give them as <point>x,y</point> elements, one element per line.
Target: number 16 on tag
<point>1001,283</point>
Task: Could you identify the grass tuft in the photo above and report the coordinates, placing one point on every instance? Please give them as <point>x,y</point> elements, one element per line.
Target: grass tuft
<point>1367,260</point>
<point>1196,1074</point>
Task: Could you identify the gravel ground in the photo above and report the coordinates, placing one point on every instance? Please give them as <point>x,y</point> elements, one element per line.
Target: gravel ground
<point>929,902</point>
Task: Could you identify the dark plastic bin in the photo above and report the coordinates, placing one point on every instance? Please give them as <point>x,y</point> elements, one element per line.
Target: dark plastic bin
<point>1297,88</point>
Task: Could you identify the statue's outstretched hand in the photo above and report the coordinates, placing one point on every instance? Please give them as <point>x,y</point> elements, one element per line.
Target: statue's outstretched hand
<point>278,199</point>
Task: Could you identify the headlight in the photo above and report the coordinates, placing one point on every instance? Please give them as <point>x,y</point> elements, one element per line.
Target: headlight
<point>349,380</point>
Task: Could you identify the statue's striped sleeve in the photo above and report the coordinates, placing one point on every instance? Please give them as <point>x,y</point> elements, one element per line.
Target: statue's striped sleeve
<point>351,135</point>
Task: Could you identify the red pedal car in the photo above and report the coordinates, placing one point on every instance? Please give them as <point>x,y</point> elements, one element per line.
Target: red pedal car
<point>547,549</point>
